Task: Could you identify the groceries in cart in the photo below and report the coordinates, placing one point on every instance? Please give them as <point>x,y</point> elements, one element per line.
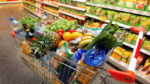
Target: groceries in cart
<point>77,55</point>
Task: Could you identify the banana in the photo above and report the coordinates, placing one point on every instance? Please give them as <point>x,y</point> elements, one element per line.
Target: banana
<point>84,43</point>
<point>88,34</point>
<point>86,37</point>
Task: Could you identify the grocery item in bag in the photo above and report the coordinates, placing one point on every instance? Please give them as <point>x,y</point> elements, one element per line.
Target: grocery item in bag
<point>110,14</point>
<point>117,16</point>
<point>145,22</point>
<point>125,18</point>
<point>147,45</point>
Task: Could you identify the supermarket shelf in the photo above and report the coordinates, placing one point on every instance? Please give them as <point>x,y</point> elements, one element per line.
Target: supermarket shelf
<point>81,18</point>
<point>140,77</point>
<point>121,25</point>
<point>47,3</point>
<point>132,46</point>
<point>10,2</point>
<point>42,9</point>
<point>120,9</point>
<point>73,7</point>
<point>80,0</point>
<point>32,12</point>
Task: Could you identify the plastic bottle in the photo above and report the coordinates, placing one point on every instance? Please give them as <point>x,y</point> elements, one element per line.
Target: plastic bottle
<point>44,20</point>
<point>14,24</point>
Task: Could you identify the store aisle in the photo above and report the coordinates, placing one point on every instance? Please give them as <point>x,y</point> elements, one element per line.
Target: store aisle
<point>12,69</point>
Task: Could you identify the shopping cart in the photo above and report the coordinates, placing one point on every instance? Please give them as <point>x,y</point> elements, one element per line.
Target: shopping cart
<point>59,70</point>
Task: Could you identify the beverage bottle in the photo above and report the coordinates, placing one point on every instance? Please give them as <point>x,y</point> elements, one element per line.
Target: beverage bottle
<point>14,24</point>
<point>44,20</point>
<point>29,35</point>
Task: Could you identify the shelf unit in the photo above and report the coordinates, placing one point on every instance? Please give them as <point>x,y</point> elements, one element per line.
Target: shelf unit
<point>96,17</point>
<point>42,9</point>
<point>80,0</point>
<point>10,2</point>
<point>32,11</point>
<point>47,4</point>
<point>121,9</point>
<point>81,18</point>
<point>73,7</point>
<point>132,46</point>
<point>142,78</point>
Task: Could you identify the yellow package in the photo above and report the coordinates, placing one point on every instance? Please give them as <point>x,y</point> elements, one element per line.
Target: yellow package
<point>146,45</point>
<point>117,53</point>
<point>126,56</point>
<point>130,37</point>
<point>145,21</point>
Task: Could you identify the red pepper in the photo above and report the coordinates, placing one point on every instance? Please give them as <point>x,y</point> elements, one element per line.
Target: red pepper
<point>59,30</point>
<point>60,34</point>
<point>71,30</point>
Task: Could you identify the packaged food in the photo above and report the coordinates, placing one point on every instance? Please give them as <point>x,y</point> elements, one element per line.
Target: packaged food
<point>139,60</point>
<point>117,16</point>
<point>145,22</point>
<point>113,2</point>
<point>135,39</point>
<point>147,45</point>
<point>130,37</point>
<point>121,2</point>
<point>105,1</point>
<point>93,10</point>
<point>125,18</point>
<point>125,56</point>
<point>141,4</point>
<point>117,53</point>
<point>26,48</point>
<point>103,14</point>
<point>130,3</point>
<point>89,71</point>
<point>134,20</point>
<point>110,14</point>
<point>98,11</point>
<point>99,1</point>
<point>148,6</point>
<point>146,65</point>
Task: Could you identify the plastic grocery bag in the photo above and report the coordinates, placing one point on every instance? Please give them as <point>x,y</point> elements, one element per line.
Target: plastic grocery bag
<point>95,56</point>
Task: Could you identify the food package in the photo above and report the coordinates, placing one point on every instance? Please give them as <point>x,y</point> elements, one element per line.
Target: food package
<point>130,37</point>
<point>105,1</point>
<point>135,39</point>
<point>117,53</point>
<point>146,65</point>
<point>113,2</point>
<point>103,14</point>
<point>88,8</point>
<point>141,4</point>
<point>126,56</point>
<point>99,1</point>
<point>148,6</point>
<point>125,18</point>
<point>117,16</point>
<point>121,2</point>
<point>26,48</point>
<point>88,72</point>
<point>110,14</point>
<point>145,22</point>
<point>139,60</point>
<point>130,3</point>
<point>147,45</point>
<point>134,20</point>
<point>93,10</point>
<point>98,11</point>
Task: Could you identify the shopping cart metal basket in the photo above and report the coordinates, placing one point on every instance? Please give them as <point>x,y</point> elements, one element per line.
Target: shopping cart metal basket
<point>56,69</point>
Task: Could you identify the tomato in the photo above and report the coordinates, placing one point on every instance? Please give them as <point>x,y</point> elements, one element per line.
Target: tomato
<point>59,30</point>
<point>71,30</point>
<point>60,34</point>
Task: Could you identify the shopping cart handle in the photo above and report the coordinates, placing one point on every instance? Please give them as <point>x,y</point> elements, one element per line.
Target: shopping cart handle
<point>138,29</point>
<point>128,76</point>
<point>12,33</point>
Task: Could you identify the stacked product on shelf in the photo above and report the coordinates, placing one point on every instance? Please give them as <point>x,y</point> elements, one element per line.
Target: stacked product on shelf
<point>121,17</point>
<point>131,4</point>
